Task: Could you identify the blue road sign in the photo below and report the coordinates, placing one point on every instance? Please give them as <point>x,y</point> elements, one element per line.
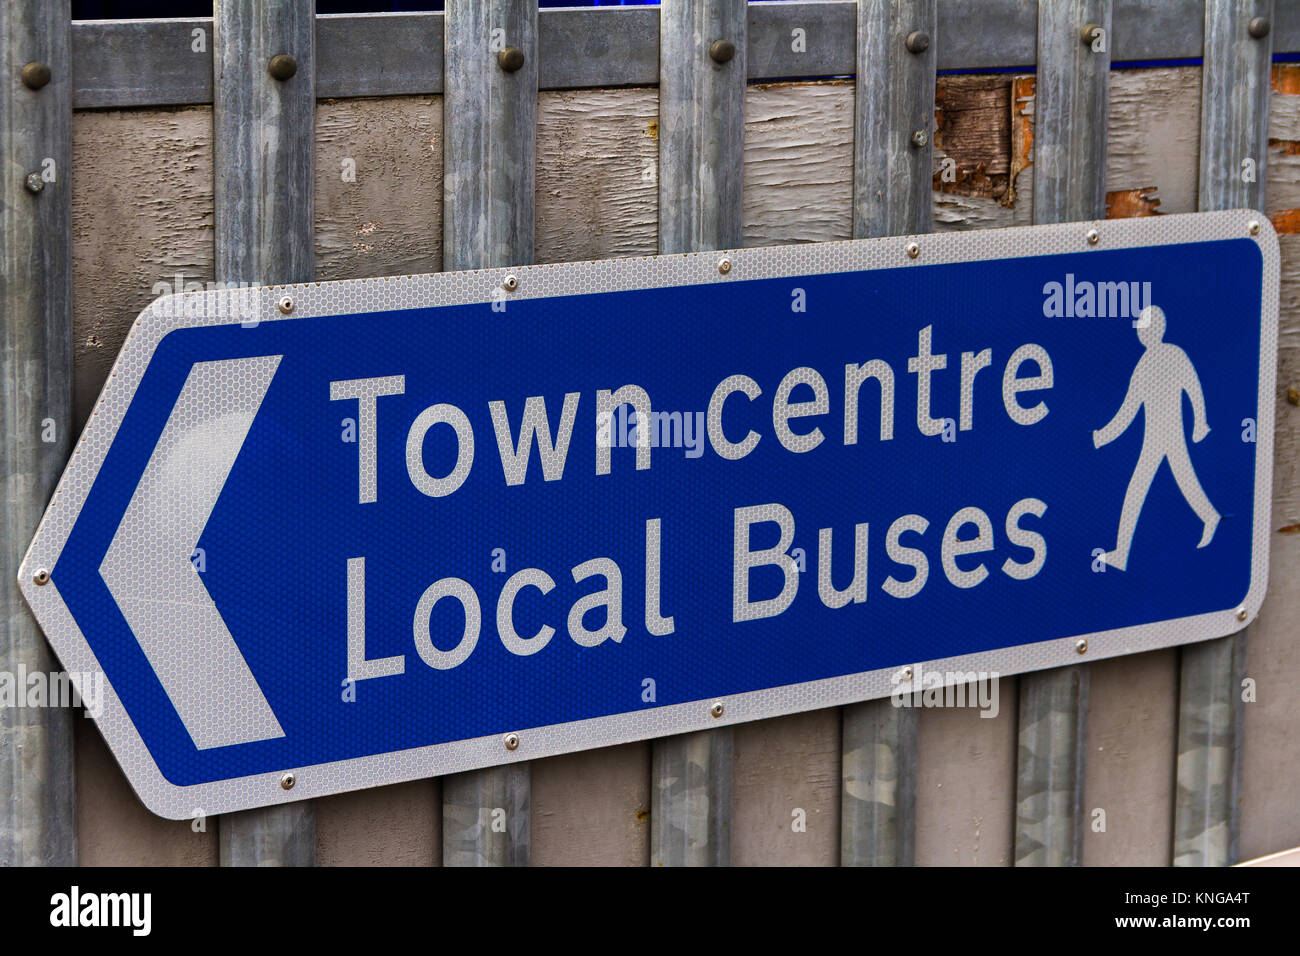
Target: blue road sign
<point>382,529</point>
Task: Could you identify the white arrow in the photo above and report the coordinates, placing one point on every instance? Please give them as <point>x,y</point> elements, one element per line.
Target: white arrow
<point>148,567</point>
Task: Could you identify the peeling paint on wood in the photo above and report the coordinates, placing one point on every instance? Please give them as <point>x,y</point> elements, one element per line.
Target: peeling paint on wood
<point>1126,203</point>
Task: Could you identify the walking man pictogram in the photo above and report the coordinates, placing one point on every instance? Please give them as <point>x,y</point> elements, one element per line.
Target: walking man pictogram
<point>1162,374</point>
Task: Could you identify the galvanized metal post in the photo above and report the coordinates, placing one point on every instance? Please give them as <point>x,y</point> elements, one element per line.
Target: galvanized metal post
<point>1071,105</point>
<point>1234,128</point>
<point>489,109</point>
<point>893,146</point>
<point>37,793</point>
<point>703,47</point>
<point>264,99</point>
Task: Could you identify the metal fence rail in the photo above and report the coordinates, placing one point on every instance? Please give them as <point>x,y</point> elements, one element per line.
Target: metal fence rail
<point>263,65</point>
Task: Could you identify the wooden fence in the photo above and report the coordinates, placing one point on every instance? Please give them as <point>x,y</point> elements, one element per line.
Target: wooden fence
<point>268,144</point>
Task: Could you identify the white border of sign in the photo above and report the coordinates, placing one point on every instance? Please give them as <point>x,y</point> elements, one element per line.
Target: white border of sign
<point>405,292</point>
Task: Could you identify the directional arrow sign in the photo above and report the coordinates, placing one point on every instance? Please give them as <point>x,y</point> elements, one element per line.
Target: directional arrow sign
<point>369,531</point>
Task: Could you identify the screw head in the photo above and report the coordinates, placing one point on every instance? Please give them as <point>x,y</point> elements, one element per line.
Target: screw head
<point>282,66</point>
<point>512,741</point>
<point>1253,227</point>
<point>721,51</point>
<point>35,75</point>
<point>918,42</point>
<point>510,59</point>
<point>716,709</point>
<point>41,577</point>
<point>34,183</point>
<point>510,283</point>
<point>1092,236</point>
<point>920,138</point>
<point>1293,395</point>
<point>285,305</point>
<point>724,266</point>
<point>1259,27</point>
<point>1081,645</point>
<point>1089,33</point>
<point>287,781</point>
<point>1241,613</point>
<point>907,672</point>
<point>913,250</point>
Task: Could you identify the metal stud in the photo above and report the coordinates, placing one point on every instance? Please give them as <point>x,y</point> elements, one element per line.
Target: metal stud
<point>35,75</point>
<point>907,672</point>
<point>282,66</point>
<point>510,59</point>
<point>510,283</point>
<point>1092,236</point>
<point>918,42</point>
<point>920,138</point>
<point>287,781</point>
<point>34,182</point>
<point>716,709</point>
<point>1259,27</point>
<point>724,266</point>
<point>41,577</point>
<point>512,741</point>
<point>913,250</point>
<point>721,51</point>
<point>1089,33</point>
<point>1253,226</point>
<point>1081,645</point>
<point>1241,613</point>
<point>285,305</point>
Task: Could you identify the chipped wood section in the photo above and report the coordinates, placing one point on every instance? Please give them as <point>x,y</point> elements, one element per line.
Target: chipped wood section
<point>1132,723</point>
<point>142,215</point>
<point>786,802</point>
<point>1127,203</point>
<point>1286,78</point>
<point>593,808</point>
<point>597,189</point>
<point>1153,140</point>
<point>798,163</point>
<point>387,218</point>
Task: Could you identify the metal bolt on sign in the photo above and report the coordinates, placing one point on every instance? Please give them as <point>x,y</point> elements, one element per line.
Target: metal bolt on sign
<point>510,59</point>
<point>1092,236</point>
<point>285,305</point>
<point>35,75</point>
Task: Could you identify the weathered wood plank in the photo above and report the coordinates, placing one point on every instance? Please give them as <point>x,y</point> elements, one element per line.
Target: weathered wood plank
<point>593,808</point>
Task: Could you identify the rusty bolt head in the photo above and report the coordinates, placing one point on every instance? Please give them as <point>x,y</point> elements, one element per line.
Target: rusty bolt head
<point>510,59</point>
<point>1089,33</point>
<point>34,183</point>
<point>721,51</point>
<point>920,138</point>
<point>918,42</point>
<point>1259,27</point>
<point>282,66</point>
<point>35,75</point>
<point>724,266</point>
